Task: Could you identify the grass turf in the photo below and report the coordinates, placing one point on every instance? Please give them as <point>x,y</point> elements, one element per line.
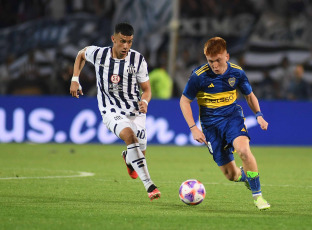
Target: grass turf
<point>39,190</point>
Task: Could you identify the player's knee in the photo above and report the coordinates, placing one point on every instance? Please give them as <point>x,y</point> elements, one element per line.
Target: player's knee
<point>128,136</point>
<point>131,138</point>
<point>244,153</point>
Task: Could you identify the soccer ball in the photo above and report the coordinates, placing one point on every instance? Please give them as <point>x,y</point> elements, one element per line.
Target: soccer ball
<point>192,192</point>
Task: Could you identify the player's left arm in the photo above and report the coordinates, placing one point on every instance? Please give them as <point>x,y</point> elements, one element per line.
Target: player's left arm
<point>145,97</point>
<point>253,103</point>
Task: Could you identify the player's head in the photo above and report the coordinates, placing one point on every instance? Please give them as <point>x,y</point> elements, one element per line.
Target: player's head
<point>216,54</point>
<point>122,40</point>
<point>124,28</point>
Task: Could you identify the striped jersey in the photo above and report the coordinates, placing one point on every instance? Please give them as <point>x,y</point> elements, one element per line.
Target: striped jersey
<point>216,94</point>
<point>118,80</point>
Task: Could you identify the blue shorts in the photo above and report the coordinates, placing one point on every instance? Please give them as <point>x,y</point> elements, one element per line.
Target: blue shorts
<point>221,137</point>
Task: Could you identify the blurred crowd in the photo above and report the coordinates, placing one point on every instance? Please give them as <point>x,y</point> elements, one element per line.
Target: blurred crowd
<point>47,70</point>
<point>221,8</point>
<point>15,12</point>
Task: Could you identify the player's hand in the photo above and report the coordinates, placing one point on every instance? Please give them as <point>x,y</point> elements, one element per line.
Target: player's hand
<point>263,124</point>
<point>142,107</point>
<point>198,135</point>
<point>75,89</point>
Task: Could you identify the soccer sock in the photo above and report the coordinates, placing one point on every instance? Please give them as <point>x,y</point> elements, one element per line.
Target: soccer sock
<point>136,158</point>
<point>254,182</point>
<point>243,177</point>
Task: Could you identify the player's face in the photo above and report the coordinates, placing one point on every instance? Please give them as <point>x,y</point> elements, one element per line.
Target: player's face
<point>218,63</point>
<point>122,45</point>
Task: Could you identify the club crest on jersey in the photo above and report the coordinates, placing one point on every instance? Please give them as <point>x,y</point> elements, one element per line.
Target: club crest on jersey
<point>115,79</point>
<point>231,81</point>
<point>131,69</point>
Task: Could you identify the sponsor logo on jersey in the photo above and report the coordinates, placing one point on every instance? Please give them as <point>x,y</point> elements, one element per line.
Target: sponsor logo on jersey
<point>220,100</point>
<point>216,100</point>
<point>115,78</point>
<point>131,69</point>
<point>117,118</point>
<point>211,85</point>
<point>114,87</point>
<point>231,81</point>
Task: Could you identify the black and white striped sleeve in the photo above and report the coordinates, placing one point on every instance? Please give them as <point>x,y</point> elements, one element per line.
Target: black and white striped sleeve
<point>142,74</point>
<point>91,53</point>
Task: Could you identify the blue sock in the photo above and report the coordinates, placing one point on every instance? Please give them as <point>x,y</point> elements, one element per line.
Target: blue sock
<point>254,182</point>
<point>243,177</point>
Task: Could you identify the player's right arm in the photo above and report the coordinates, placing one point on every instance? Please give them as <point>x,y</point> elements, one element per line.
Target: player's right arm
<point>186,109</point>
<point>75,88</point>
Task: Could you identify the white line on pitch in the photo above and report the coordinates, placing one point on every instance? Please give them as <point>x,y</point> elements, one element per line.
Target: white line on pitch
<point>81,174</point>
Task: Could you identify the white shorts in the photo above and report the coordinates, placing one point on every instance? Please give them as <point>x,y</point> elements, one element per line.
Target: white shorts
<point>116,122</point>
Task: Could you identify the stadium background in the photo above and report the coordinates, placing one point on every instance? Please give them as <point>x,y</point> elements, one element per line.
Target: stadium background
<point>40,39</point>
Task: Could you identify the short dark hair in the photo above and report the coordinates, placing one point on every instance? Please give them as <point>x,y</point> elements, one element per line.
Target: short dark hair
<point>124,28</point>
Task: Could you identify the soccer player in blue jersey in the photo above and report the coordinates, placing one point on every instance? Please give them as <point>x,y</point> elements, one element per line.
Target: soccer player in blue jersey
<point>223,131</point>
<point>120,74</point>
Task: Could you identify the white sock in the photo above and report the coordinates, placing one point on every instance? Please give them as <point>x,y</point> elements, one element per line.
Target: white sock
<point>255,196</point>
<point>136,158</point>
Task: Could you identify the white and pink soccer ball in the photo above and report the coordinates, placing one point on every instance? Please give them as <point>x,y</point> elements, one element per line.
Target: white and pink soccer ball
<point>192,192</point>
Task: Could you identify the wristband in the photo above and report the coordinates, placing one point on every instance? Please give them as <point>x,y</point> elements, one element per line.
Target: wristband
<point>75,78</point>
<point>258,114</point>
<point>192,126</point>
<point>145,101</point>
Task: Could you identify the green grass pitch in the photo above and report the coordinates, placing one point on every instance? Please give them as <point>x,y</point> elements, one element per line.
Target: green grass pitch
<point>42,186</point>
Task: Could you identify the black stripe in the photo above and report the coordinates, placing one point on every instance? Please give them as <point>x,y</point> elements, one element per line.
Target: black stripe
<point>136,86</point>
<point>136,105</point>
<point>120,73</point>
<point>110,73</point>
<point>123,113</point>
<point>102,94</point>
<point>132,56</point>
<point>101,68</point>
<point>140,61</point>
<point>95,54</point>
<point>115,129</point>
<point>133,147</point>
<point>140,159</point>
<point>113,110</point>
<point>137,91</point>
<point>102,77</point>
<point>100,84</point>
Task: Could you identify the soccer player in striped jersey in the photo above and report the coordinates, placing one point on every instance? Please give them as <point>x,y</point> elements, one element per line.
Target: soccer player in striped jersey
<point>223,131</point>
<point>120,75</point>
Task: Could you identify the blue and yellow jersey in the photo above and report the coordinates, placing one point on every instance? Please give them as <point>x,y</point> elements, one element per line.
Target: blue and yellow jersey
<point>216,94</point>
